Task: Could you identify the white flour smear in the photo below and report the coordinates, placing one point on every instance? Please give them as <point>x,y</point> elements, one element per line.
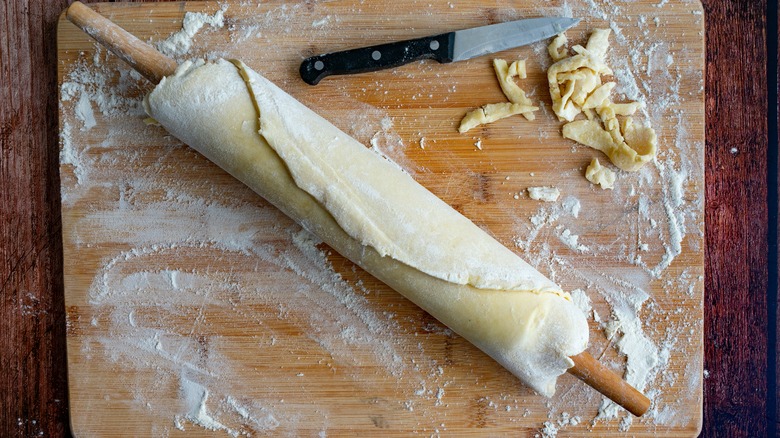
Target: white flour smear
<point>180,260</point>
<point>180,42</point>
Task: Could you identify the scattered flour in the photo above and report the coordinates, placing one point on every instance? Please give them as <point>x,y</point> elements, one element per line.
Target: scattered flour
<point>180,42</point>
<point>159,223</point>
<point>657,217</point>
<point>321,22</point>
<point>581,300</point>
<point>572,241</point>
<point>572,206</point>
<point>145,284</point>
<point>83,112</point>
<point>265,420</point>
<point>195,397</point>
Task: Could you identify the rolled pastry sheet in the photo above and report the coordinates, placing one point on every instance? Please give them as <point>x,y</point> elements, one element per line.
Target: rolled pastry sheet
<point>369,210</point>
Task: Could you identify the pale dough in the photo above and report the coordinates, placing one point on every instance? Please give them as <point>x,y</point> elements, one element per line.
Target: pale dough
<point>600,175</point>
<point>518,103</point>
<point>546,194</point>
<point>627,146</point>
<point>492,112</point>
<point>376,215</point>
<point>506,75</point>
<point>557,48</point>
<point>576,87</point>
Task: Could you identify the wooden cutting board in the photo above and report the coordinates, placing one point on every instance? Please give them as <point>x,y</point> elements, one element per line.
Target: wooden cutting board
<point>193,306</point>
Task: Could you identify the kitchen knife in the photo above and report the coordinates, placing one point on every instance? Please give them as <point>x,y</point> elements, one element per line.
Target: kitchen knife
<point>446,47</point>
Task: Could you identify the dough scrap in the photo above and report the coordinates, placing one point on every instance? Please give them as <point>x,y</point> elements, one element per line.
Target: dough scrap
<point>627,146</point>
<point>576,87</point>
<point>598,43</point>
<point>370,211</point>
<point>557,48</point>
<point>546,194</point>
<point>599,96</point>
<point>506,75</point>
<point>518,103</point>
<point>491,112</point>
<point>578,76</point>
<point>600,175</point>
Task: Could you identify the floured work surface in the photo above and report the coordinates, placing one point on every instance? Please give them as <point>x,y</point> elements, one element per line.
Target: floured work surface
<point>195,306</point>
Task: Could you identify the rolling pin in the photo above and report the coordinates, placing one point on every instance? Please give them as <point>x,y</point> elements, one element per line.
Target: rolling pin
<point>155,66</point>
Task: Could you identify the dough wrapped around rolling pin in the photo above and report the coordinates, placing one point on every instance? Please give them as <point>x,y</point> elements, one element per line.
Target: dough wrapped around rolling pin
<point>376,215</point>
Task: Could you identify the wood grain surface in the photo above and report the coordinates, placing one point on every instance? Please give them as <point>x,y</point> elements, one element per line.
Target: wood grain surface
<point>736,297</point>
<point>33,391</point>
<point>33,385</point>
<point>128,258</point>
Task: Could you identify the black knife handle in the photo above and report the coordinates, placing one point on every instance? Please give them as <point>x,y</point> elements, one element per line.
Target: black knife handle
<point>365,59</point>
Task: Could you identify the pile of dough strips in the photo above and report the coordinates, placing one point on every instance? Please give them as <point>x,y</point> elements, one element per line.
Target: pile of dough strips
<point>576,88</point>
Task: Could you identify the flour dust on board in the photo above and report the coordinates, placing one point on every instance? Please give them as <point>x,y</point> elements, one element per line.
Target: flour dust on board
<point>179,261</point>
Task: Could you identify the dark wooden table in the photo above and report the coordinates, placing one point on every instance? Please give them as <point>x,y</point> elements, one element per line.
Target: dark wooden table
<point>741,222</point>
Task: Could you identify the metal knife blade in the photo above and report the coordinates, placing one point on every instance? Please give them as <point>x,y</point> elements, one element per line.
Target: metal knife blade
<point>447,47</point>
<point>477,41</point>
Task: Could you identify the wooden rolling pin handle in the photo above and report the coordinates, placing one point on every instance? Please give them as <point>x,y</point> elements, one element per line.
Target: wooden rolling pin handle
<point>142,57</point>
<point>154,66</point>
<point>603,380</point>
